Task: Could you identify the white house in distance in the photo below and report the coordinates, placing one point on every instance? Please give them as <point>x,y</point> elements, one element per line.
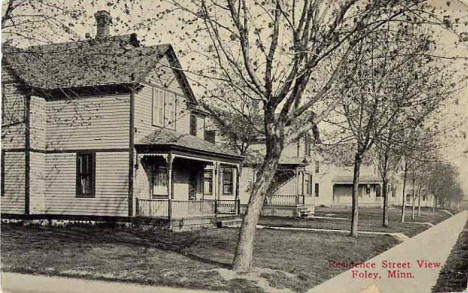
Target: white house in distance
<point>333,178</point>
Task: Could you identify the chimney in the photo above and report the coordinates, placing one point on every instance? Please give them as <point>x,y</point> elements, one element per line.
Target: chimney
<point>103,20</point>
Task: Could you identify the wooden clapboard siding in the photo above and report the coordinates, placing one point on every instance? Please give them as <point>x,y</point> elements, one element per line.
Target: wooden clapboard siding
<point>13,117</point>
<point>37,182</point>
<point>111,197</point>
<point>38,123</point>
<point>89,122</point>
<point>13,200</point>
<point>164,75</point>
<point>143,112</point>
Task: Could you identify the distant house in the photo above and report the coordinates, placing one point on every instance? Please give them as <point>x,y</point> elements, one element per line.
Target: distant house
<point>292,187</point>
<point>333,178</point>
<point>107,128</point>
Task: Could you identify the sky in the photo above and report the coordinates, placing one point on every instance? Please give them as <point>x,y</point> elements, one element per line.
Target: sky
<point>168,31</point>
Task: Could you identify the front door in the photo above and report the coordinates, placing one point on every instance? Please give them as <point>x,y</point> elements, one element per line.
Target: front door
<point>193,185</point>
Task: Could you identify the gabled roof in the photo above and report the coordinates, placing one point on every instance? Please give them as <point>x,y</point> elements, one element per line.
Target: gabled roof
<point>95,62</point>
<point>164,137</point>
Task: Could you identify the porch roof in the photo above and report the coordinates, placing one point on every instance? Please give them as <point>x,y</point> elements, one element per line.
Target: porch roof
<point>164,139</point>
<point>364,179</point>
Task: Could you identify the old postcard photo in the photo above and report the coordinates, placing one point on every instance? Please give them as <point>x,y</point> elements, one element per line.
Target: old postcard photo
<point>234,146</point>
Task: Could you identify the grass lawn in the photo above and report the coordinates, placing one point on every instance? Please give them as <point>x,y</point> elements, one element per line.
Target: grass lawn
<point>454,275</point>
<point>370,219</point>
<point>183,259</point>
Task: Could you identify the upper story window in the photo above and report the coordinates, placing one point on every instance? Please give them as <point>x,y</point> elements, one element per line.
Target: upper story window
<point>170,110</point>
<point>210,135</point>
<point>193,124</point>
<point>164,108</point>
<point>317,166</point>
<point>317,190</point>
<point>85,174</point>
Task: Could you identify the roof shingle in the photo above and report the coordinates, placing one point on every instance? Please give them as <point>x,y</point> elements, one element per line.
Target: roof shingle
<point>167,137</point>
<point>113,60</point>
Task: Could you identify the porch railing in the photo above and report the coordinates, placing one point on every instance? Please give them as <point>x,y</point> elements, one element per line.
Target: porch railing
<point>177,209</point>
<point>231,206</point>
<point>285,200</point>
<point>152,208</point>
<point>192,208</point>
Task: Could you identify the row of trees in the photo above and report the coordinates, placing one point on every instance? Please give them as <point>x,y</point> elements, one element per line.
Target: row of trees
<point>279,68</point>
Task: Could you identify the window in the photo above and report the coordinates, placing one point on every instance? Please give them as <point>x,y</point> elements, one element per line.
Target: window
<point>164,108</point>
<point>227,181</point>
<point>170,110</point>
<point>424,197</point>
<point>368,189</point>
<point>208,182</point>
<point>377,190</point>
<point>317,190</point>
<point>308,145</point>
<point>160,181</point>
<point>158,107</point>
<point>308,183</point>
<point>193,125</point>
<point>317,166</point>
<point>210,135</point>
<point>85,174</point>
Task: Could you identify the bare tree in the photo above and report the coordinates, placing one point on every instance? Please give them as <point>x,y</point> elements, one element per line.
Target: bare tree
<point>286,56</point>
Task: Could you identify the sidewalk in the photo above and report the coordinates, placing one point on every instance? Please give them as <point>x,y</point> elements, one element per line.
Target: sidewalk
<point>23,283</point>
<point>431,248</point>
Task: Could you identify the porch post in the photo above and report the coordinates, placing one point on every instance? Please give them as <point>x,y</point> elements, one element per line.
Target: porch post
<point>170,191</point>
<point>237,201</point>
<point>297,184</point>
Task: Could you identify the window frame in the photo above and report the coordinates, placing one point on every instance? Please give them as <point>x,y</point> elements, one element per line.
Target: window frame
<point>170,122</point>
<point>224,171</point>
<point>78,187</point>
<point>317,190</point>
<point>193,124</point>
<point>378,191</point>
<point>308,183</point>
<point>159,170</point>
<point>209,171</point>
<point>156,113</point>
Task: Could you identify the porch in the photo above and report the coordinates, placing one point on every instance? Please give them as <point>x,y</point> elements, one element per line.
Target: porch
<point>179,184</point>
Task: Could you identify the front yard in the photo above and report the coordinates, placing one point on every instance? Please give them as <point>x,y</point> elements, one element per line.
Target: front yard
<point>297,260</point>
<point>370,219</point>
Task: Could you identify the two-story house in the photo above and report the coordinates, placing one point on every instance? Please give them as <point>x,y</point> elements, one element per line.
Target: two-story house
<point>333,178</point>
<point>106,128</point>
<point>291,193</point>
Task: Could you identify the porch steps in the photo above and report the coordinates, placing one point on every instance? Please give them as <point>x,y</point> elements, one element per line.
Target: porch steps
<point>229,223</point>
<point>305,212</point>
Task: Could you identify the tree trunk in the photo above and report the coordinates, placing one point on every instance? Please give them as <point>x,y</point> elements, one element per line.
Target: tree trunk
<point>403,206</point>
<point>243,255</point>
<point>385,203</point>
<point>413,197</point>
<point>419,200</point>
<point>434,204</point>
<point>355,205</point>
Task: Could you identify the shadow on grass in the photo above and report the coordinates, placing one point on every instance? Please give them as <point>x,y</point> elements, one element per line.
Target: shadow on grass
<point>179,242</point>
